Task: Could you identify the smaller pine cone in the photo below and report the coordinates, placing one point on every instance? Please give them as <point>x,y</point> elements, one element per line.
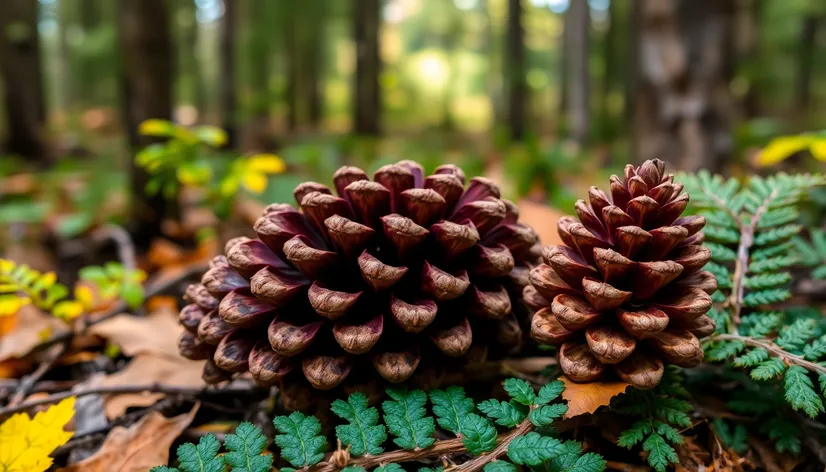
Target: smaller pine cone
<point>625,292</point>
<point>391,274</point>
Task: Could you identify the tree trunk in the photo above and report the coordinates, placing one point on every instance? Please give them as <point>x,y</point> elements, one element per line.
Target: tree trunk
<point>805,63</point>
<point>367,106</point>
<point>608,54</point>
<point>563,65</point>
<point>146,46</point>
<point>578,80</point>
<point>88,79</point>
<point>294,59</point>
<point>22,79</point>
<point>515,71</point>
<point>684,107</point>
<point>228,88</point>
<point>315,59</point>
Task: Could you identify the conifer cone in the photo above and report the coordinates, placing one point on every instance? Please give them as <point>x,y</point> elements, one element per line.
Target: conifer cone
<point>388,272</point>
<point>625,292</point>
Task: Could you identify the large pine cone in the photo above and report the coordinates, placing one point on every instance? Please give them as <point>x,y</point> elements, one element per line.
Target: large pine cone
<point>378,274</point>
<point>625,291</point>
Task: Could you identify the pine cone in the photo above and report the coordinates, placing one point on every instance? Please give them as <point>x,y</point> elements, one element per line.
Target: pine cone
<point>376,275</point>
<point>625,291</point>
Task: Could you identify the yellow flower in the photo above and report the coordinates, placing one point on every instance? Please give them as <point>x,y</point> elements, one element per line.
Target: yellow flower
<point>783,147</point>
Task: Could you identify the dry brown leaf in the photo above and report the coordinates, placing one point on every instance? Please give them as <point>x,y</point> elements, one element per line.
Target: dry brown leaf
<point>587,397</point>
<point>543,219</point>
<point>148,369</point>
<point>156,333</point>
<point>31,328</point>
<point>142,446</point>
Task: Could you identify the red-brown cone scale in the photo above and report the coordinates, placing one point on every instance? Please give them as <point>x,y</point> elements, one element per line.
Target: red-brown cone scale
<point>625,292</point>
<point>383,272</point>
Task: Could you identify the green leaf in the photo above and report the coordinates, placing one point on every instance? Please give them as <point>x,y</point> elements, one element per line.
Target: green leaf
<point>504,413</point>
<point>767,280</point>
<point>479,434</point>
<point>550,392</point>
<point>405,418</point>
<point>720,253</point>
<point>796,335</point>
<point>163,468</point>
<point>132,293</point>
<point>736,439</point>
<point>500,466</point>
<point>660,454</point>
<point>768,369</point>
<point>673,410</point>
<point>721,350</point>
<point>364,435</point>
<point>450,406</point>
<point>389,468</point>
<point>245,447</point>
<point>532,449</point>
<point>520,391</point>
<point>589,462</point>
<point>771,264</point>
<point>752,358</point>
<point>349,468</point>
<point>94,274</point>
<point>668,432</point>
<point>300,440</point>
<point>547,414</point>
<point>765,297</point>
<point>800,392</point>
<point>635,434</point>
<point>776,235</point>
<point>203,457</point>
<point>785,434</point>
<point>114,270</point>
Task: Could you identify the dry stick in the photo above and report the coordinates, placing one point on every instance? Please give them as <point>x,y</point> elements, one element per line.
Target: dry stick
<point>123,241</point>
<point>27,383</point>
<point>772,348</point>
<point>440,448</point>
<point>735,300</point>
<point>120,389</point>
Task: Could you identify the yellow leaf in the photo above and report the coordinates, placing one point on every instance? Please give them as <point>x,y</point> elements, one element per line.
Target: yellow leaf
<point>783,147</point>
<point>818,149</point>
<point>194,175</point>
<point>26,443</point>
<point>266,164</point>
<point>11,304</point>
<point>48,279</point>
<point>6,266</point>
<point>155,127</point>
<point>68,309</point>
<point>255,182</point>
<point>211,135</point>
<point>85,296</point>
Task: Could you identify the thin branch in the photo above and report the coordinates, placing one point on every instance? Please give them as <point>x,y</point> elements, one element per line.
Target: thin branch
<point>439,448</point>
<point>238,388</point>
<point>772,348</point>
<point>735,299</point>
<point>28,382</point>
<point>121,238</point>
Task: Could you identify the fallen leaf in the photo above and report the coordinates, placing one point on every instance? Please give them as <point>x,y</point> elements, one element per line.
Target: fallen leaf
<point>31,323</point>
<point>156,333</point>
<point>585,398</point>
<point>148,369</point>
<point>28,442</point>
<point>543,219</point>
<point>142,446</point>
<point>162,303</point>
<point>14,368</point>
<point>163,252</point>
<point>7,323</point>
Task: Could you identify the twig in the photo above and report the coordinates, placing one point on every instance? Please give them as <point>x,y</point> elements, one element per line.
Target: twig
<point>772,348</point>
<point>438,449</point>
<point>27,383</point>
<point>121,238</point>
<point>735,299</point>
<point>114,389</point>
<point>159,285</point>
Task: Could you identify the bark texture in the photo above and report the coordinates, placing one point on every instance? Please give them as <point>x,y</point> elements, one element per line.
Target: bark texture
<point>22,79</point>
<point>515,70</point>
<point>578,22</point>
<point>683,105</point>
<point>146,43</point>
<point>368,66</point>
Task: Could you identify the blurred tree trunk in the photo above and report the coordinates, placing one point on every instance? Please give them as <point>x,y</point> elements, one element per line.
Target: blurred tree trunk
<point>189,63</point>
<point>450,42</point>
<point>294,59</point>
<point>515,70</point>
<point>146,45</point>
<point>228,88</point>
<point>608,55</point>
<point>87,71</point>
<point>22,79</point>
<point>805,63</point>
<point>747,41</point>
<point>367,96</point>
<point>564,52</point>
<point>684,106</point>
<point>578,18</point>
<point>259,20</point>
<point>315,59</point>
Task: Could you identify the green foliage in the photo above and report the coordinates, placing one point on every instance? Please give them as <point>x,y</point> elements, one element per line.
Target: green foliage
<point>812,253</point>
<point>300,439</point>
<point>300,442</point>
<point>113,280</point>
<point>363,433</point>
<point>508,414</point>
<point>406,418</point>
<point>21,285</point>
<point>735,437</point>
<point>449,406</point>
<point>660,412</point>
